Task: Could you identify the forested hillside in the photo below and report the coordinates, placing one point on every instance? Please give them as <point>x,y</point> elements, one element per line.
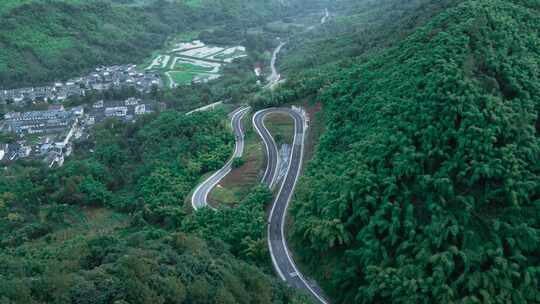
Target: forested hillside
<point>357,28</point>
<point>110,225</point>
<point>425,186</point>
<point>44,41</point>
<point>355,31</point>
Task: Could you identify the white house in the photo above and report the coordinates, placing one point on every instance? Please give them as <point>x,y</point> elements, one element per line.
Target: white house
<point>24,151</point>
<point>78,111</point>
<point>131,101</point>
<point>98,105</point>
<point>3,150</point>
<point>116,112</point>
<point>140,109</point>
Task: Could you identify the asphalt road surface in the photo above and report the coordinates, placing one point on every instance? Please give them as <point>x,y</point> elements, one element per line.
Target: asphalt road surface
<point>272,157</point>
<point>200,195</point>
<point>326,15</point>
<point>274,78</point>
<point>281,257</point>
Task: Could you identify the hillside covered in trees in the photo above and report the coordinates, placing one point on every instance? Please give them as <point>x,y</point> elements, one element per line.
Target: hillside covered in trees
<point>110,226</point>
<point>425,185</point>
<point>44,41</point>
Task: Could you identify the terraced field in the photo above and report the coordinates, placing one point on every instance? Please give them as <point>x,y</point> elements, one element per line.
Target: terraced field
<point>185,63</point>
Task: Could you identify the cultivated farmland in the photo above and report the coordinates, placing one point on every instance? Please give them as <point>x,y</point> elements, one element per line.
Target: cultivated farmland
<point>185,63</point>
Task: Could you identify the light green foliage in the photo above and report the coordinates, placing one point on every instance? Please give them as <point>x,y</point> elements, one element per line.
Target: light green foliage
<point>181,77</point>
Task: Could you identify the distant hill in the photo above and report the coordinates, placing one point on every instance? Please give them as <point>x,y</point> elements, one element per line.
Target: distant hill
<point>43,41</point>
<point>425,186</point>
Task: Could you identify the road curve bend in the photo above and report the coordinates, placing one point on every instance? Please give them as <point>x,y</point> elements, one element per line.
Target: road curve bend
<point>200,195</point>
<point>279,251</point>
<point>272,153</point>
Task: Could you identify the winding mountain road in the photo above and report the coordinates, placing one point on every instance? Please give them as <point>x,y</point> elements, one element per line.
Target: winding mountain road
<point>272,157</point>
<point>277,243</point>
<point>279,251</point>
<point>199,198</point>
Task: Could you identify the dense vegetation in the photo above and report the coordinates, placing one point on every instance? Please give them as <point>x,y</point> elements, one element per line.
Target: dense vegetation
<point>356,28</point>
<point>44,41</point>
<point>425,186</point>
<point>110,226</point>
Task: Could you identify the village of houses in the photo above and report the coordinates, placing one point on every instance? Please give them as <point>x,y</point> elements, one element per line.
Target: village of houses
<point>48,134</point>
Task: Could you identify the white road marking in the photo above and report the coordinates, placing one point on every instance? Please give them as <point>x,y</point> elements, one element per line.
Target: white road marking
<point>295,273</point>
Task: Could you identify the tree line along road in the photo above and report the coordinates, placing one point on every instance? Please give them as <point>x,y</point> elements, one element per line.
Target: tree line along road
<point>277,243</point>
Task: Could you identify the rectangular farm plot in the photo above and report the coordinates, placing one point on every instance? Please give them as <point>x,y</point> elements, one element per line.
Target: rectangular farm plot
<point>191,62</point>
<point>159,62</point>
<point>203,52</point>
<point>181,77</point>
<point>183,46</point>
<point>185,66</point>
<point>186,77</point>
<point>228,55</point>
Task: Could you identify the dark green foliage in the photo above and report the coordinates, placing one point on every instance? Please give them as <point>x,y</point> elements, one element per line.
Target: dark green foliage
<point>149,266</point>
<point>238,162</point>
<point>425,187</point>
<point>242,228</point>
<point>8,138</point>
<point>45,41</point>
<point>56,248</point>
<point>21,196</point>
<point>162,160</point>
<point>148,168</point>
<point>358,28</point>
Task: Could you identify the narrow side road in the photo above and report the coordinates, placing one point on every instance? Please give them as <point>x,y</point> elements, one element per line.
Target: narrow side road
<point>274,78</point>
<point>200,195</point>
<point>205,108</point>
<point>326,16</point>
<point>279,251</point>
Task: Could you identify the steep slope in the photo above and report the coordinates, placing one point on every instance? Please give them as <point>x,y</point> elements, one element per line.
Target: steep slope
<point>357,28</point>
<point>425,187</point>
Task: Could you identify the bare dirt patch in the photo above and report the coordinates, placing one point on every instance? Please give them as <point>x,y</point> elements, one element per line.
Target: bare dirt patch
<point>316,128</point>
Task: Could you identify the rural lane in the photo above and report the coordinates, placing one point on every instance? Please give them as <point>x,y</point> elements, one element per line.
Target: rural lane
<point>274,78</point>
